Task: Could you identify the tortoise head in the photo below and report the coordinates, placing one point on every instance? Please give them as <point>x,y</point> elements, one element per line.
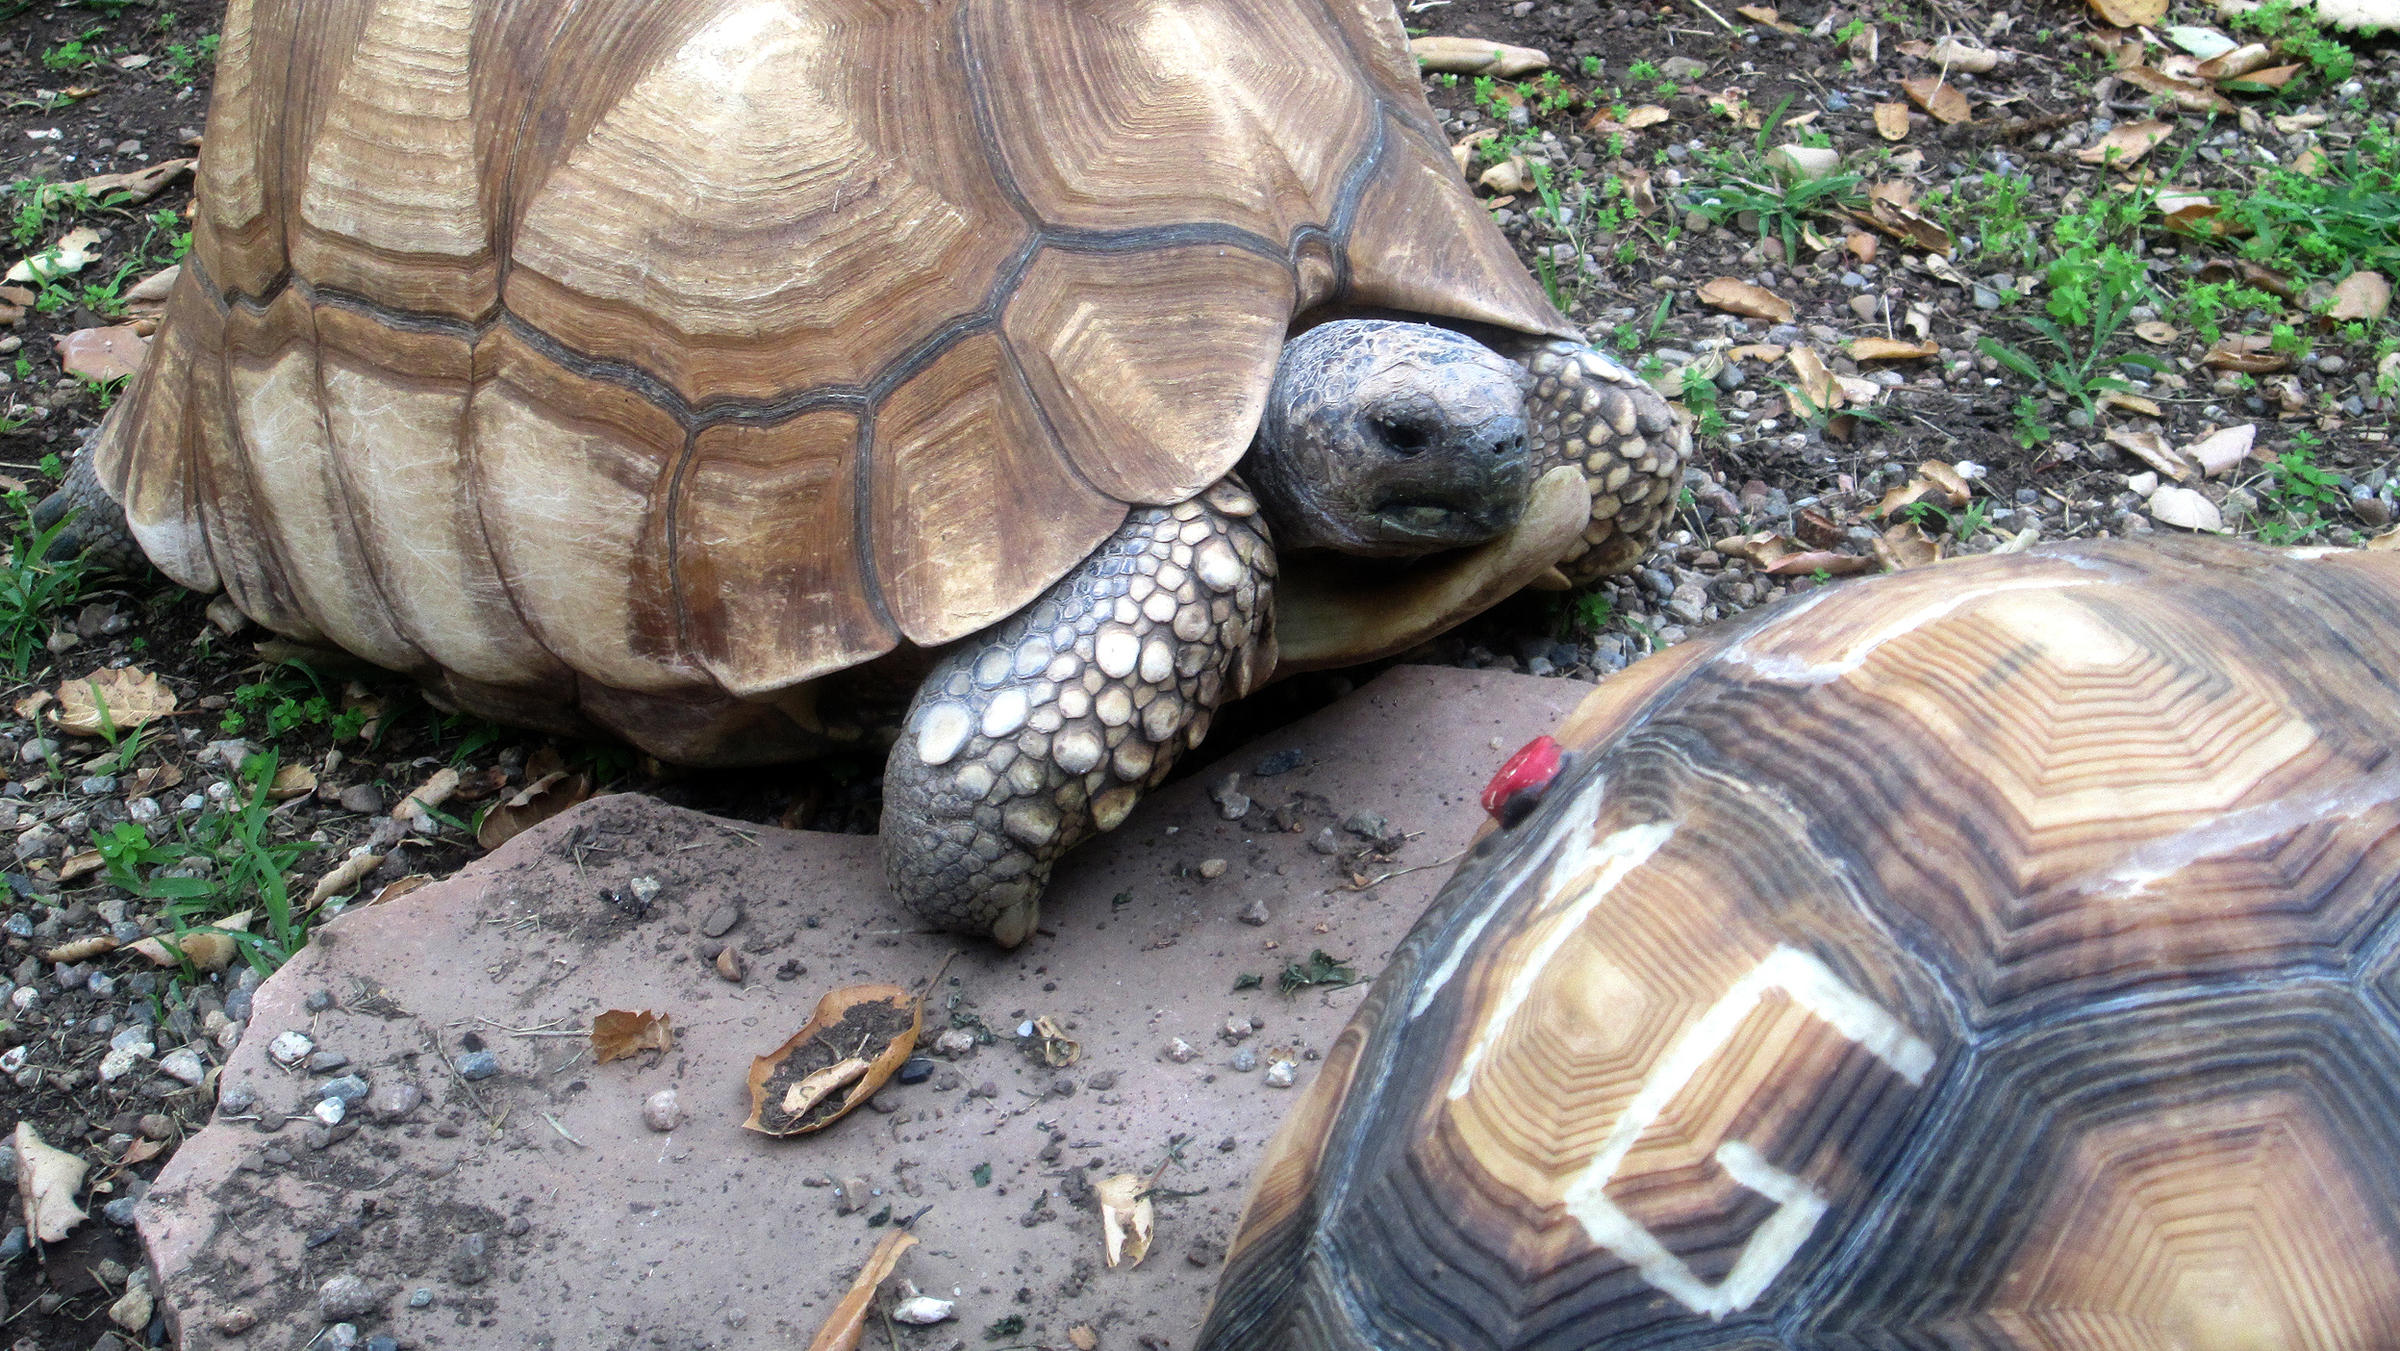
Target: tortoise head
<point>1385,439</point>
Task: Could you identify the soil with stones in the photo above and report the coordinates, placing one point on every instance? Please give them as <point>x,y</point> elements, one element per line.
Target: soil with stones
<point>1645,184</point>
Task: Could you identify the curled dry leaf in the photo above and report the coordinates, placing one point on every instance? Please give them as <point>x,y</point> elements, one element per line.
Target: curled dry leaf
<point>1508,176</point>
<point>291,781</point>
<point>619,1033</point>
<point>81,949</point>
<point>2247,353</point>
<point>531,805</point>
<point>2131,403</point>
<point>47,1180</point>
<point>1735,296</point>
<point>2130,13</point>
<point>2218,452</point>
<point>1952,54</point>
<point>1125,1219</point>
<point>1648,115</point>
<point>1938,97</point>
<point>1906,224</point>
<point>2185,508</point>
<point>209,949</point>
<point>2386,542</point>
<point>2156,332</point>
<point>1768,15</point>
<point>70,254</point>
<point>2362,297</point>
<point>1890,349</point>
<point>141,184</point>
<point>1935,480</point>
<point>2189,95</point>
<point>1803,163</point>
<point>2152,449</point>
<point>345,875</point>
<point>430,794</point>
<point>1905,546</point>
<point>1816,382</point>
<point>875,1025</point>
<point>848,1321</point>
<point>2125,143</point>
<point>118,700</point>
<point>1475,56</point>
<point>394,890</point>
<point>2235,62</point>
<point>1058,1049</point>
<point>1812,561</point>
<point>1083,1337</point>
<point>1891,121</point>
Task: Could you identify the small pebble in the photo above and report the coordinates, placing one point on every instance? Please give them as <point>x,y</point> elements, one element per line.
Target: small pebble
<point>330,1111</point>
<point>955,1043</point>
<point>478,1065</point>
<point>1281,762</point>
<point>1254,913</point>
<point>289,1048</point>
<point>185,1064</point>
<point>915,1070</point>
<point>349,1088</point>
<point>1244,1060</point>
<point>1212,868</point>
<point>393,1100</point>
<point>318,1001</point>
<point>420,1297</point>
<point>233,1101</point>
<point>327,1062</point>
<point>1280,1073</point>
<point>13,1246</point>
<point>720,920</point>
<point>1326,842</point>
<point>236,1321</point>
<point>346,1296</point>
<point>660,1111</point>
<point>120,1211</point>
<point>1179,1051</point>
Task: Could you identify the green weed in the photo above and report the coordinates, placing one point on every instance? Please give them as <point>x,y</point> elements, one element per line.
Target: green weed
<point>2300,493</point>
<point>1740,182</point>
<point>76,53</point>
<point>2096,278</point>
<point>291,699</point>
<point>33,590</point>
<point>228,858</point>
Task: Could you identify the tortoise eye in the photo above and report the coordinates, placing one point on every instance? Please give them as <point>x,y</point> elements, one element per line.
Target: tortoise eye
<point>1517,789</point>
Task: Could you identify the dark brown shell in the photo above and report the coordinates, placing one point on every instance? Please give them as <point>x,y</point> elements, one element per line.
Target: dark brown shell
<point>647,355</point>
<point>2004,955</point>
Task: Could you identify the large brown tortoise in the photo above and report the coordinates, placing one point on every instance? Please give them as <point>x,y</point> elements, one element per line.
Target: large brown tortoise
<point>2003,956</point>
<point>699,370</point>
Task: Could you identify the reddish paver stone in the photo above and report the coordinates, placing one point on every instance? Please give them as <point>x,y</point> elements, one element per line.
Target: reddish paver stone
<point>539,1211</point>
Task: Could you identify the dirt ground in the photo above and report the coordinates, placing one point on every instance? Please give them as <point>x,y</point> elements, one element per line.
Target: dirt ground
<point>1640,179</point>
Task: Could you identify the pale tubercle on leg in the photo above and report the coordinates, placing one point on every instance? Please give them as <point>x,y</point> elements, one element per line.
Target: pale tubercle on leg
<point>1587,410</point>
<point>1034,735</point>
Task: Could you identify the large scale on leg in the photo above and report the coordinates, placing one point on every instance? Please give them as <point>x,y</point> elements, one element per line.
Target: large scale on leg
<point>2002,955</point>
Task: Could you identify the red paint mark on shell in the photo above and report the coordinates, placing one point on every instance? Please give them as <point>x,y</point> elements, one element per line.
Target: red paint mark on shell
<point>1530,770</point>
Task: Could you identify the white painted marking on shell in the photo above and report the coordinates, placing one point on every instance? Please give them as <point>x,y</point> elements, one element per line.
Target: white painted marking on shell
<point>1116,652</point>
<point>1217,565</point>
<point>942,731</point>
<point>1771,1247</point>
<point>1605,863</point>
<point>1005,714</point>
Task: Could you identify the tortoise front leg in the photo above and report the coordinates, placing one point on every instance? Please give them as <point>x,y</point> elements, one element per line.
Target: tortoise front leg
<point>96,528</point>
<point>1030,737</point>
<point>1588,411</point>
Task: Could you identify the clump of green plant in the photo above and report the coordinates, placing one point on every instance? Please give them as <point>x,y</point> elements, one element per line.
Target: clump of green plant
<point>1700,396</point>
<point>184,59</point>
<point>229,857</point>
<point>2208,306</point>
<point>1961,525</point>
<point>1742,182</point>
<point>1989,221</point>
<point>33,589</point>
<point>76,52</point>
<point>292,698</point>
<point>2301,493</point>
<point>2096,278</point>
<point>1319,969</point>
<point>2293,30</point>
<point>2342,218</point>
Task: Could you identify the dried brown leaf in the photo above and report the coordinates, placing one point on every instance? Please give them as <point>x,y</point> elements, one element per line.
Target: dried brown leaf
<point>531,805</point>
<point>436,790</point>
<point>2189,95</point>
<point>81,863</point>
<point>876,1024</point>
<point>2219,452</point>
<point>2248,353</point>
<point>2387,542</point>
<point>1905,546</point>
<point>80,949</point>
<point>2155,332</point>
<point>848,1322</point>
<point>140,184</point>
<point>2236,63</point>
<point>291,781</point>
<point>1905,224</point>
<point>2125,143</point>
<point>1891,121</point>
<point>1648,115</point>
<point>2130,13</point>
<point>209,949</point>
<point>1736,296</point>
<point>120,699</point>
<point>2186,509</point>
<point>399,887</point>
<point>1810,561</point>
<point>2273,77</point>
<point>1953,54</point>
<point>109,353</point>
<point>342,877</point>
<point>1891,349</point>
<point>2152,449</point>
<point>1125,1219</point>
<point>47,1180</point>
<point>619,1033</point>
<point>1816,381</point>
<point>2363,297</point>
<point>1955,489</point>
<point>2131,403</point>
<point>1938,97</point>
<point>1476,56</point>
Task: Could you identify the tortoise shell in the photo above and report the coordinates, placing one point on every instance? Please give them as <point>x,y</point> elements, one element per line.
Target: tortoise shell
<point>1999,955</point>
<point>652,355</point>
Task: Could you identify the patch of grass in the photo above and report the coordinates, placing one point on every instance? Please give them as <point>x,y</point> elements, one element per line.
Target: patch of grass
<point>227,858</point>
<point>184,60</point>
<point>33,590</point>
<point>2096,278</point>
<point>1992,217</point>
<point>291,698</point>
<point>2342,219</point>
<point>76,53</point>
<point>2299,491</point>
<point>1741,182</point>
<point>2293,31</point>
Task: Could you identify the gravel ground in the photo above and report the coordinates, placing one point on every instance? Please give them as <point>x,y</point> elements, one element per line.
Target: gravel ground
<point>1638,179</point>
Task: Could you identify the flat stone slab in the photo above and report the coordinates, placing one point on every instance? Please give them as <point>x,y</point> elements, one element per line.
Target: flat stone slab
<point>534,1209</point>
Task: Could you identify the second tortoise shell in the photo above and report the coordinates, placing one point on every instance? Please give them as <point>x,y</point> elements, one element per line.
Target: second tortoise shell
<point>646,358</point>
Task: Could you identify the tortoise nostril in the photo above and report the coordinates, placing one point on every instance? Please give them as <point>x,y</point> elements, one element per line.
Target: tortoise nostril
<point>1402,437</point>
